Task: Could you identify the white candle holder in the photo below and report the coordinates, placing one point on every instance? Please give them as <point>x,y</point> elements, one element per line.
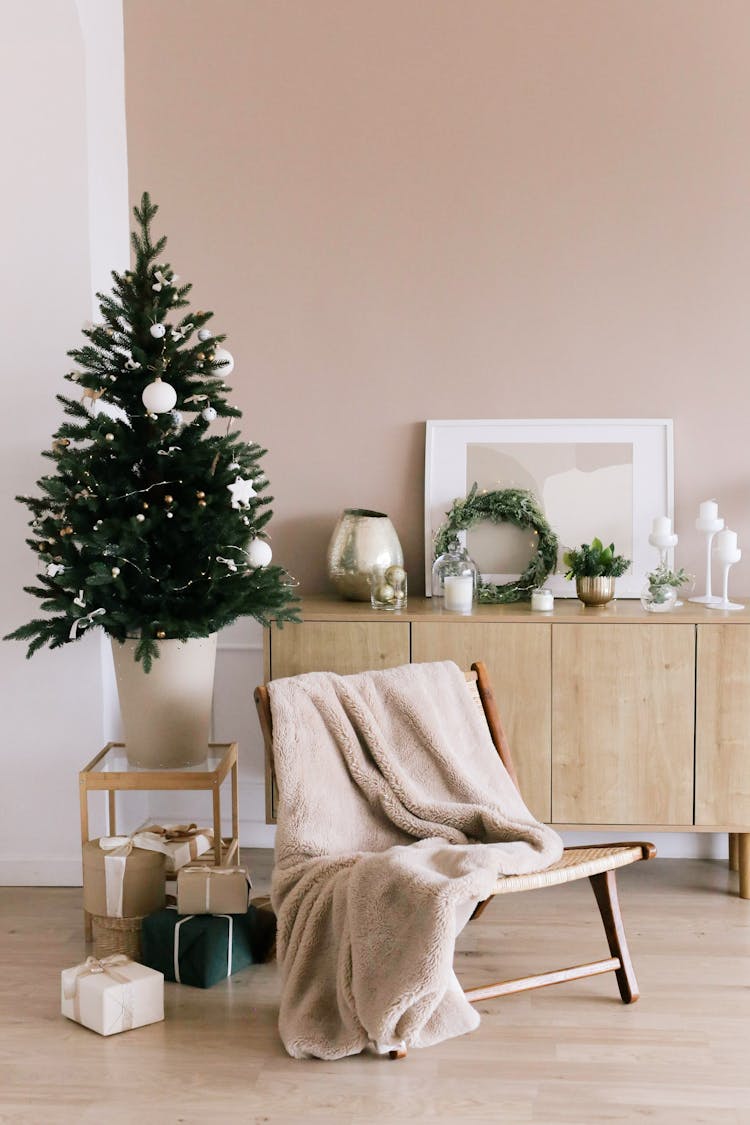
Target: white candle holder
<point>727,560</point>
<point>709,528</point>
<point>664,544</point>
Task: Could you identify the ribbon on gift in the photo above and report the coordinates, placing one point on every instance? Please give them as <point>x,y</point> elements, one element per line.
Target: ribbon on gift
<point>91,966</point>
<point>176,950</point>
<point>157,838</point>
<point>210,872</point>
<point>116,849</point>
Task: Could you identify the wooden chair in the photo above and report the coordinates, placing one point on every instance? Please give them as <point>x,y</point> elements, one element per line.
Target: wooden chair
<point>595,862</point>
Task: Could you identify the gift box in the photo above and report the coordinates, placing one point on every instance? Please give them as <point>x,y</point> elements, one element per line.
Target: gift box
<point>202,949</point>
<point>180,843</point>
<point>212,890</point>
<point>121,880</point>
<point>112,995</point>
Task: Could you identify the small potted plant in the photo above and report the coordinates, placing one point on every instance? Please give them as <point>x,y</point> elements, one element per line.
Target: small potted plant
<point>660,592</point>
<point>595,568</point>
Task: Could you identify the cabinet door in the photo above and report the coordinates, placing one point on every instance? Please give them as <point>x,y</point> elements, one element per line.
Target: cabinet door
<point>622,723</point>
<point>332,646</point>
<point>722,736</point>
<point>338,646</point>
<point>518,661</point>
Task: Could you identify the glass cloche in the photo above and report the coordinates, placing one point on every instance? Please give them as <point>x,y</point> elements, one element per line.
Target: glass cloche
<point>455,563</point>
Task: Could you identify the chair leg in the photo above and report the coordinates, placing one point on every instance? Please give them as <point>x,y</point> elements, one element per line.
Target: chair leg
<point>605,890</point>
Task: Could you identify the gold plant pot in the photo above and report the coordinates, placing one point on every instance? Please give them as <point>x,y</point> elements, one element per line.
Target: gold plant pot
<point>595,592</point>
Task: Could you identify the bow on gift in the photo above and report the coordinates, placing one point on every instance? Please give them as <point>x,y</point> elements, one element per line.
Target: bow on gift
<point>91,966</point>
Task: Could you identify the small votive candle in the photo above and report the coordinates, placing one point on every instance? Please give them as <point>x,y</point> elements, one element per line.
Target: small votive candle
<point>725,545</point>
<point>542,601</point>
<point>662,525</point>
<point>709,510</point>
<point>458,592</point>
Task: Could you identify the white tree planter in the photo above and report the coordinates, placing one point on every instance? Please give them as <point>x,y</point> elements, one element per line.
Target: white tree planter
<point>166,713</point>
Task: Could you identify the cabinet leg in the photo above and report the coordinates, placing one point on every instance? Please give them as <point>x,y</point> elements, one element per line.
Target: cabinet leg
<point>743,855</point>
<point>734,861</point>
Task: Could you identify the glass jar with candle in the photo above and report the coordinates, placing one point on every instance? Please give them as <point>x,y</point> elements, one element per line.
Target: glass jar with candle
<point>454,578</point>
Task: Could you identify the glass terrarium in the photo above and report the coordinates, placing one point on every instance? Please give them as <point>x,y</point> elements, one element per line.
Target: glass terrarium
<point>454,578</point>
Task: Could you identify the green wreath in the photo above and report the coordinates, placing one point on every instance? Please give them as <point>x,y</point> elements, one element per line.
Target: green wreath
<point>508,505</point>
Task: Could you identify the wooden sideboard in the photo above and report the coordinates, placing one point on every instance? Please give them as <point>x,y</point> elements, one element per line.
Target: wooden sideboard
<point>617,718</point>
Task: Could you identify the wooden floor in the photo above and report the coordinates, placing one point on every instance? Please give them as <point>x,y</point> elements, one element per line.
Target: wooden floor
<point>568,1054</point>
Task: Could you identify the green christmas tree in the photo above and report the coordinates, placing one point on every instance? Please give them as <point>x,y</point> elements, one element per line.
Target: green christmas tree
<point>152,524</point>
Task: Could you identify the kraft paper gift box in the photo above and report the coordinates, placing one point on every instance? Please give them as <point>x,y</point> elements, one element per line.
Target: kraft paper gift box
<point>202,949</point>
<point>112,995</point>
<point>121,880</point>
<point>212,890</point>
<point>180,843</point>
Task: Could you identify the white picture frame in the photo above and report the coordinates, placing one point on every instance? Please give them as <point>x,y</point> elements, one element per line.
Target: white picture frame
<point>628,483</point>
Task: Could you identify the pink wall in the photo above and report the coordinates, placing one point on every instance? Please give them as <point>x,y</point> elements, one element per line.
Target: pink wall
<point>404,210</point>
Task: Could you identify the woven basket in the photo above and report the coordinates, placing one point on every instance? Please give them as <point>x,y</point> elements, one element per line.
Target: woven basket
<point>116,935</point>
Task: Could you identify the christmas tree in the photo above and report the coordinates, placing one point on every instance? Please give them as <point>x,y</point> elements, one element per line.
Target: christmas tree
<point>152,524</point>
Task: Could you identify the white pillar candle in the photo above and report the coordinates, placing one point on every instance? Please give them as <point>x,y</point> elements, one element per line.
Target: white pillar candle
<point>542,601</point>
<point>662,525</point>
<point>709,510</point>
<point>725,544</point>
<point>459,592</point>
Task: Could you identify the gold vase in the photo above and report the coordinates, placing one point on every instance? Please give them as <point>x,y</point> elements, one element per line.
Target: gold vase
<point>595,592</point>
<point>362,541</point>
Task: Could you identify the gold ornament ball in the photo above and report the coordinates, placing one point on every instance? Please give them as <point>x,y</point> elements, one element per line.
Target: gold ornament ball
<point>169,499</point>
<point>145,504</point>
<point>201,503</point>
<point>395,575</point>
<point>200,495</point>
<point>109,437</point>
<point>161,635</point>
<point>385,593</point>
<point>200,355</point>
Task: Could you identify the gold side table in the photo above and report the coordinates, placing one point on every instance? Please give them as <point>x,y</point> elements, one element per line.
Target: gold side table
<point>110,771</point>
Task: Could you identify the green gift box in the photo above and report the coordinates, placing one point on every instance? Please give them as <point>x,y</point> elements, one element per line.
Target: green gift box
<point>202,949</point>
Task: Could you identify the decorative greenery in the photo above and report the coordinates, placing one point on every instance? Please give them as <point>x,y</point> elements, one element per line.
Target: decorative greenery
<point>661,580</point>
<point>151,525</point>
<point>510,505</point>
<point>594,560</point>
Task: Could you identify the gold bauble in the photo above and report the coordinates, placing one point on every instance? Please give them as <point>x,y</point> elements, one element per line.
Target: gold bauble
<point>161,635</point>
<point>385,593</point>
<point>200,495</point>
<point>109,437</point>
<point>395,575</point>
<point>201,503</point>
<point>169,499</point>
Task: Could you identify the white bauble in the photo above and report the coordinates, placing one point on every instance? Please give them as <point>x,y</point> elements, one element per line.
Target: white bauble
<point>157,331</point>
<point>159,397</point>
<point>209,414</point>
<point>222,356</point>
<point>204,334</point>
<point>259,553</point>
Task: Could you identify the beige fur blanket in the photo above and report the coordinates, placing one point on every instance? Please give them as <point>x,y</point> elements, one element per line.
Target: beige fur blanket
<point>396,817</point>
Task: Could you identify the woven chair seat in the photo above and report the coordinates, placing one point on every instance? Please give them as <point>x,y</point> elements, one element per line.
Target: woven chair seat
<point>575,863</point>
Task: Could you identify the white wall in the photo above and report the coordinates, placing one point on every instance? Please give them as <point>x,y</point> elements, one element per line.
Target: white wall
<point>64,205</point>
